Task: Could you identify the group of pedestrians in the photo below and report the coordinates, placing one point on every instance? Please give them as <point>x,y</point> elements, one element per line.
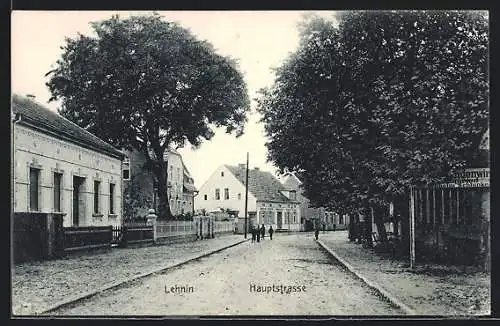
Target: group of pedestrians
<point>260,233</point>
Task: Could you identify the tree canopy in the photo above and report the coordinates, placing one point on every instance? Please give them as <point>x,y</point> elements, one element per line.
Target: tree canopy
<point>148,84</point>
<point>384,100</point>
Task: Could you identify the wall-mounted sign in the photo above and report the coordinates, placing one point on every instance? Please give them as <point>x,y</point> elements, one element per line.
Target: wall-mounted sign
<point>473,177</point>
<point>468,178</point>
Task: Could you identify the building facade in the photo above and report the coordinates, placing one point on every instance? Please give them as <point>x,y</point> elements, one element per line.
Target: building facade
<point>141,185</point>
<point>60,167</point>
<point>312,216</point>
<point>269,202</point>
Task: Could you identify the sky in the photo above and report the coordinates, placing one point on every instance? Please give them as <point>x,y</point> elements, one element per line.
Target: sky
<point>260,40</point>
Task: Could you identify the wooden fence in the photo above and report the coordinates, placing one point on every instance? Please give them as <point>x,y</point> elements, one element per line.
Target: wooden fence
<point>175,228</point>
<point>224,227</point>
<point>451,222</point>
<point>87,237</point>
<point>133,233</point>
<point>200,227</point>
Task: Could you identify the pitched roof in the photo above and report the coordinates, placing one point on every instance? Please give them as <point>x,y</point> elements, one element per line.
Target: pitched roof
<point>49,121</point>
<point>189,187</point>
<point>292,182</point>
<point>263,185</point>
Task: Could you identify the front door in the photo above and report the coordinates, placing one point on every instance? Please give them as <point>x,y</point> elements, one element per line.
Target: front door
<point>279,219</point>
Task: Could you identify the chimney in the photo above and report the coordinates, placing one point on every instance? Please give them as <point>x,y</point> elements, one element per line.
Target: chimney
<point>31,96</point>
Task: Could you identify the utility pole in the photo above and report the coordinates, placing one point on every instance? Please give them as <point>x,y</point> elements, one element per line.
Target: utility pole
<point>246,198</point>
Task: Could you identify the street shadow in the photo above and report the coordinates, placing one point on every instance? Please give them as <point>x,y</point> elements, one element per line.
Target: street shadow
<point>312,261</point>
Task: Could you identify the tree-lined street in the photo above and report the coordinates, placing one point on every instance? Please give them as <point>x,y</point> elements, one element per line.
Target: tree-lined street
<point>380,120</point>
<point>221,285</point>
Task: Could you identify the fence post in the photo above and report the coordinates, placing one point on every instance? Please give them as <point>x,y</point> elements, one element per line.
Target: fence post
<point>151,220</point>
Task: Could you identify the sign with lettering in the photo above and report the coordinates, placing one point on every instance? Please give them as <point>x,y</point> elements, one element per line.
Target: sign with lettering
<point>472,178</point>
<point>468,178</point>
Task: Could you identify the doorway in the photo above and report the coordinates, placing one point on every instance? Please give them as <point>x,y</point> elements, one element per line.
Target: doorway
<point>279,219</point>
<point>77,199</point>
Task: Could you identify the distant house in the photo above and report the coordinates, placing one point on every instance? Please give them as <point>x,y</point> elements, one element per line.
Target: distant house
<point>62,168</point>
<point>180,191</point>
<point>310,216</point>
<point>269,202</point>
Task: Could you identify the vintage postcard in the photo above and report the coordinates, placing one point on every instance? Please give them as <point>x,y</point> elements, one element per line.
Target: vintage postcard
<point>277,164</point>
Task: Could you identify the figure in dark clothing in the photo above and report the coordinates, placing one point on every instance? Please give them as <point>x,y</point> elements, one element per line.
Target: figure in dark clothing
<point>257,232</point>
<point>271,231</point>
<point>263,231</point>
<point>316,234</point>
<point>253,234</point>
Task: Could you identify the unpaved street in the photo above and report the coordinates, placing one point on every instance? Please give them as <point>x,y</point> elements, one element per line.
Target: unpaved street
<point>221,284</point>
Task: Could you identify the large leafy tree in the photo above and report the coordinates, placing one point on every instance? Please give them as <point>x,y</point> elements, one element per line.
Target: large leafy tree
<point>385,100</point>
<point>148,84</point>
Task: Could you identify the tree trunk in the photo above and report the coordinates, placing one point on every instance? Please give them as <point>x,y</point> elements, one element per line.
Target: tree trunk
<point>485,230</point>
<point>378,217</point>
<point>367,226</point>
<point>401,212</point>
<point>163,200</point>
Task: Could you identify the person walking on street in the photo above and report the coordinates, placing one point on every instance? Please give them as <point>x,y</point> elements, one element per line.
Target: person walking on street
<point>263,231</point>
<point>271,231</point>
<point>316,233</point>
<point>253,234</point>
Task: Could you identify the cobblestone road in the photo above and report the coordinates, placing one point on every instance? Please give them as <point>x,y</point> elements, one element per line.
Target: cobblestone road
<point>220,285</point>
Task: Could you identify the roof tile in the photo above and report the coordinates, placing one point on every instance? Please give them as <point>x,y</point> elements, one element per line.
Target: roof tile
<point>44,118</point>
<point>263,185</point>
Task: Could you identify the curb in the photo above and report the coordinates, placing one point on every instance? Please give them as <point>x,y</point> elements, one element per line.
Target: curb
<point>374,286</point>
<point>86,295</point>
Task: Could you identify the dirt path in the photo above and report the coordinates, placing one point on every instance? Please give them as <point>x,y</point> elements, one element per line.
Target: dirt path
<point>38,285</point>
<point>221,285</point>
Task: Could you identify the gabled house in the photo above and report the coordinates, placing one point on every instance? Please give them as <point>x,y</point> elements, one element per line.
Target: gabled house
<point>140,194</point>
<point>59,167</point>
<point>269,202</point>
<point>310,216</point>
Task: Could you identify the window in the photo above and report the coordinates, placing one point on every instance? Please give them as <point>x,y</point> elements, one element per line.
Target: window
<point>57,191</point>
<point>266,216</point>
<point>34,184</point>
<point>294,217</point>
<point>239,196</point>
<point>293,195</point>
<point>97,185</point>
<point>341,219</point>
<point>126,169</point>
<point>217,194</point>
<point>222,173</point>
<point>111,198</point>
<point>226,193</point>
<point>205,197</point>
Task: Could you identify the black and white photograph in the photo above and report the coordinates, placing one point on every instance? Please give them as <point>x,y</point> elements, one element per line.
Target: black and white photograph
<point>279,164</point>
